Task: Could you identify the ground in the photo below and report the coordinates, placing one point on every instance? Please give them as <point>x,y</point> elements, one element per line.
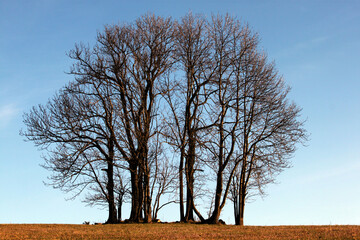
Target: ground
<point>175,231</point>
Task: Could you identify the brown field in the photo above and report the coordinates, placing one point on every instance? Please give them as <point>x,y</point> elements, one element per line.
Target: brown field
<point>174,231</point>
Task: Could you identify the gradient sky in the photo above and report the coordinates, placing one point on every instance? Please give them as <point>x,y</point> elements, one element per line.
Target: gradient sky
<point>315,45</point>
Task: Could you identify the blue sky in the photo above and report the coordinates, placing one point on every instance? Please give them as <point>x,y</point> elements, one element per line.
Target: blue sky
<point>315,45</point>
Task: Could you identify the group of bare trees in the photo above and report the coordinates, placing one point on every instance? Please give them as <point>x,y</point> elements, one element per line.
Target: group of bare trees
<point>168,108</point>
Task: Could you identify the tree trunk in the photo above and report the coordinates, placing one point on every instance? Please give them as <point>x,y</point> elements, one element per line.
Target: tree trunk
<point>147,197</point>
<point>239,206</point>
<point>135,215</point>
<point>241,209</point>
<point>236,211</point>
<point>181,185</point>
<point>120,207</point>
<point>217,210</point>
<point>219,180</point>
<point>110,188</point>
<point>190,161</point>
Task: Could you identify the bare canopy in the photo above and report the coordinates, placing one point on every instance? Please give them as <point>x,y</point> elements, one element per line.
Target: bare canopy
<point>174,106</point>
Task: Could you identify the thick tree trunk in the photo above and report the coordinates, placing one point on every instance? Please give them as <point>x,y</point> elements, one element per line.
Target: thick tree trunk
<point>219,179</point>
<point>217,209</point>
<point>236,212</point>
<point>189,203</point>
<point>136,199</point>
<point>110,187</point>
<point>147,198</point>
<point>190,162</point>
<point>239,206</point>
<point>141,194</point>
<point>144,182</point>
<point>241,210</point>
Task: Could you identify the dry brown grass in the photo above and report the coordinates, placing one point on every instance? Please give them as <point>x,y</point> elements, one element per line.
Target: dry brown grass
<point>174,231</point>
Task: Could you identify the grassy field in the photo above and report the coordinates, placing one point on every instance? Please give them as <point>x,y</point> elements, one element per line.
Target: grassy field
<point>174,231</point>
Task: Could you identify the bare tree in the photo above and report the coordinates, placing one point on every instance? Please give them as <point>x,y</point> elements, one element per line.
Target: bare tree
<point>77,127</point>
<point>121,191</point>
<point>186,99</point>
<point>270,126</point>
<point>133,58</point>
<point>230,40</point>
<point>246,112</point>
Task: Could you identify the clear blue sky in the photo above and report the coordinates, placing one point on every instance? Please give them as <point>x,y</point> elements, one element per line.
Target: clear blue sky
<point>315,45</point>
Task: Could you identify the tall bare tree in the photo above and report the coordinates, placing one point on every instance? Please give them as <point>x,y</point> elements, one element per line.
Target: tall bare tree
<point>235,94</point>
<point>270,126</point>
<point>133,58</point>
<point>186,101</point>
<point>231,41</point>
<point>78,127</point>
